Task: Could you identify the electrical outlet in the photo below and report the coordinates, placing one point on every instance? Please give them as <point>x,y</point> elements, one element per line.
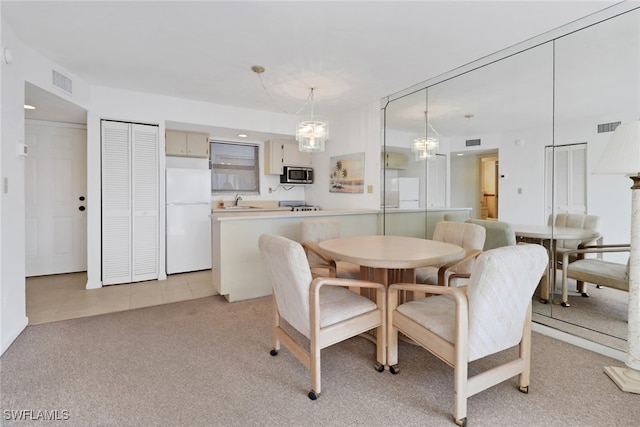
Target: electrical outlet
<point>270,190</point>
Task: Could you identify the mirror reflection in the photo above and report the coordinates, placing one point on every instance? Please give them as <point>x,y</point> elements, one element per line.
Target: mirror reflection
<point>517,141</point>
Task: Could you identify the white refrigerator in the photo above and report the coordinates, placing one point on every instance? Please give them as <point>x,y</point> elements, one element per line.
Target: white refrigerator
<point>188,220</point>
<point>405,192</point>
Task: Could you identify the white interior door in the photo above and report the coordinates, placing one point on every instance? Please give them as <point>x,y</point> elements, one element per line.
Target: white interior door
<point>55,197</point>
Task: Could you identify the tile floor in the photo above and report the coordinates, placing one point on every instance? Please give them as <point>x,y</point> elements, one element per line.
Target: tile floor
<point>63,296</point>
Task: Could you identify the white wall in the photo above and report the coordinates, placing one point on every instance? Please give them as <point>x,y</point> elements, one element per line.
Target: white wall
<point>353,132</point>
<point>27,66</point>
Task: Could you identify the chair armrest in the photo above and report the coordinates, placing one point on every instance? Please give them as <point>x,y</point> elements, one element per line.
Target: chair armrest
<point>334,281</point>
<point>442,271</point>
<point>593,249</point>
<point>329,262</point>
<point>317,284</point>
<point>459,295</point>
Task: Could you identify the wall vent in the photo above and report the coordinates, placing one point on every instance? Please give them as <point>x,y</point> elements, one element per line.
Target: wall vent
<point>607,127</point>
<point>472,142</point>
<point>63,82</point>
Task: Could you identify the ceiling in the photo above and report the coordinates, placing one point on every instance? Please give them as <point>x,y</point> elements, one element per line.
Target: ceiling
<point>351,52</point>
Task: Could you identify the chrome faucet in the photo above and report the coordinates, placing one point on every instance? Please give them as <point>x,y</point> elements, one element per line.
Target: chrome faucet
<point>238,198</point>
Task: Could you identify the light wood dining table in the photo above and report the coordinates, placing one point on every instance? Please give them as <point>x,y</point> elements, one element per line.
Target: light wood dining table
<point>551,234</point>
<point>390,259</point>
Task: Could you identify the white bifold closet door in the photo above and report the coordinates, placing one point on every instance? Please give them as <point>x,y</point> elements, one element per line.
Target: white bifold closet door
<point>130,202</point>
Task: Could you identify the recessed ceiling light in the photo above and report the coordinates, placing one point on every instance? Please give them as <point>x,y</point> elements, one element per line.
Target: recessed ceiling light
<point>460,154</point>
<point>29,107</point>
<point>242,135</point>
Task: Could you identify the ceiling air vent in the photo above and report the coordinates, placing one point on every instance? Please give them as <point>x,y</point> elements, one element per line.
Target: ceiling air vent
<point>63,82</point>
<point>607,127</point>
<point>472,142</point>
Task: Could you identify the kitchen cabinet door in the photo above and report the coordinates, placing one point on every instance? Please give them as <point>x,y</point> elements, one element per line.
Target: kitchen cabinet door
<point>186,144</point>
<point>198,144</point>
<point>283,153</point>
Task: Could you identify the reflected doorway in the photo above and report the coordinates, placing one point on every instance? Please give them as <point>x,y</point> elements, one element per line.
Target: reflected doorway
<point>488,186</point>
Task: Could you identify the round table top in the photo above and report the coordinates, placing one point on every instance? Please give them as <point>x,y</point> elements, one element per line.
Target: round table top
<point>558,233</point>
<point>391,251</point>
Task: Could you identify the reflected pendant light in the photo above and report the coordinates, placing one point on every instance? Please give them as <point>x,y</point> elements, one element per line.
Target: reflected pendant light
<point>425,147</point>
<point>312,132</point>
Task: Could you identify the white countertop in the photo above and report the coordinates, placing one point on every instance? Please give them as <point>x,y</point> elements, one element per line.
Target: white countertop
<point>241,214</point>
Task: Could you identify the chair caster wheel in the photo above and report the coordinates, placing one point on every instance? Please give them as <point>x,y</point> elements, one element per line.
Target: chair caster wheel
<point>586,295</point>
<point>312,395</point>
<point>462,422</point>
<point>524,390</point>
<point>394,369</point>
<point>273,352</point>
<point>379,367</point>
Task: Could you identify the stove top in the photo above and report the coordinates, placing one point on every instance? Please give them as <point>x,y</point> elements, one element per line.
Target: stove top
<point>305,208</point>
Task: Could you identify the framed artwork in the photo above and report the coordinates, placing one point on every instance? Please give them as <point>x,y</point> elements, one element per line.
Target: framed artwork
<point>347,173</point>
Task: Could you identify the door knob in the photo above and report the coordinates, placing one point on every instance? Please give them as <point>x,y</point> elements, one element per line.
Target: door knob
<point>82,208</point>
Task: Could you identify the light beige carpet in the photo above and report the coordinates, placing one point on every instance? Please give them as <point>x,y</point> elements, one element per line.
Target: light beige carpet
<point>206,362</point>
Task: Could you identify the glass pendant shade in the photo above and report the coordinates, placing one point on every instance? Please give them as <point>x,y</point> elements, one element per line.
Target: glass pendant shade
<point>424,148</point>
<point>312,133</point>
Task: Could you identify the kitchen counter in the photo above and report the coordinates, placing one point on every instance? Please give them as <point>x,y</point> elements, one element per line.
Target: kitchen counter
<point>264,213</point>
<point>238,269</point>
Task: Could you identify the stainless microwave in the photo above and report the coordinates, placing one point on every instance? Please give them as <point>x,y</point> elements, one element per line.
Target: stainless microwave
<point>296,175</point>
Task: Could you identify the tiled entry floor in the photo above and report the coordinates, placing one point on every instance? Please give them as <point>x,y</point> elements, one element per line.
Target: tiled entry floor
<point>63,296</point>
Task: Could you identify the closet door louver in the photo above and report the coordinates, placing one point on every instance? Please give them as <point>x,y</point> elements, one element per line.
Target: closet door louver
<point>145,202</point>
<point>129,202</point>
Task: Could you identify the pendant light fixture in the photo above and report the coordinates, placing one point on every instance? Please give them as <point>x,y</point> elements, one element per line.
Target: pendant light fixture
<point>312,132</point>
<point>425,147</point>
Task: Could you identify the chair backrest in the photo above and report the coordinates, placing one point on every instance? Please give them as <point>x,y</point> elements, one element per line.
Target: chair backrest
<point>498,233</point>
<point>468,236</point>
<point>317,230</point>
<point>290,276</point>
<point>457,216</point>
<point>500,290</point>
<point>575,220</point>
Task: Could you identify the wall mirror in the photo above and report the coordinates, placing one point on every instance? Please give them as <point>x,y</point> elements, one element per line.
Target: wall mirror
<point>513,136</point>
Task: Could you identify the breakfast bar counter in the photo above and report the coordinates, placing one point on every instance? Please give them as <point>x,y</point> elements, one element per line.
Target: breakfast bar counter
<point>237,268</point>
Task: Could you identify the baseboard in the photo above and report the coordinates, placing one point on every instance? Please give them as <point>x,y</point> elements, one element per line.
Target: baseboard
<point>7,341</point>
<point>579,342</point>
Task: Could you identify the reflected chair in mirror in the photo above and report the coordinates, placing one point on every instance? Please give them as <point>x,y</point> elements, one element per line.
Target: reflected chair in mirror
<point>574,220</point>
<point>457,216</point>
<point>470,237</point>
<point>313,232</point>
<point>594,270</point>
<point>498,233</point>
<point>462,325</point>
<point>321,309</point>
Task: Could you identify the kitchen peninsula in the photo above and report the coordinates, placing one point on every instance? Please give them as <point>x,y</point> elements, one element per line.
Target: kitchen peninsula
<point>237,268</point>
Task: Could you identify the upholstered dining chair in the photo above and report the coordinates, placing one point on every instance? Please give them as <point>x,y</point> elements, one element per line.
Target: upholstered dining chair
<point>470,237</point>
<point>321,309</point>
<point>594,270</point>
<point>574,220</point>
<point>460,325</point>
<point>313,232</point>
<point>498,233</point>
